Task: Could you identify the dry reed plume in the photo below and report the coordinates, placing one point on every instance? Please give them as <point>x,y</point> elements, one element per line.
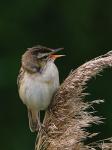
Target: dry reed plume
<point>67,117</point>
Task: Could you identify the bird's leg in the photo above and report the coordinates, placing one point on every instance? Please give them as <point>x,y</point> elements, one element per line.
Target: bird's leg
<point>41,126</point>
<point>39,122</point>
<point>40,129</point>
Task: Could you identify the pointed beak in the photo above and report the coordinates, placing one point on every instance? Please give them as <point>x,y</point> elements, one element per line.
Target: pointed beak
<point>55,56</point>
<point>58,49</point>
<point>53,51</point>
<point>52,54</point>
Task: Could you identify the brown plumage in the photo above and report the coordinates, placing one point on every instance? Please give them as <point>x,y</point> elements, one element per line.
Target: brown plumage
<point>38,80</point>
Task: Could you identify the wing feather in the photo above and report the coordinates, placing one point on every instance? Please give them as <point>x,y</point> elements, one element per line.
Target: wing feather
<point>20,77</point>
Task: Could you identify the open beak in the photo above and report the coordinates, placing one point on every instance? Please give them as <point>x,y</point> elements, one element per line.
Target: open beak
<point>52,54</point>
<point>55,56</point>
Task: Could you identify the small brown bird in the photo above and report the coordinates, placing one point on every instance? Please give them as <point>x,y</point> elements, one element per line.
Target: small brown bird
<point>37,81</point>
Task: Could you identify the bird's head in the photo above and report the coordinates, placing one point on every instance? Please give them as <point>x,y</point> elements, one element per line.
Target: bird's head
<point>36,57</point>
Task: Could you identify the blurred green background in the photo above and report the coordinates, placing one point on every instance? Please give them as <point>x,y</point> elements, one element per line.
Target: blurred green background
<point>83,28</point>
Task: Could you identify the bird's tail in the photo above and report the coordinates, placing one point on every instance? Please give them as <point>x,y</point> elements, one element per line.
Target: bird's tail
<point>34,120</point>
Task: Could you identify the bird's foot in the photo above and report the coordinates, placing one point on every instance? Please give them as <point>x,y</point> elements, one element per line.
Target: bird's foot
<point>42,128</point>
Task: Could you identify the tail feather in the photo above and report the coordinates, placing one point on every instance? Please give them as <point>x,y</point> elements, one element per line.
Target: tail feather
<point>33,120</point>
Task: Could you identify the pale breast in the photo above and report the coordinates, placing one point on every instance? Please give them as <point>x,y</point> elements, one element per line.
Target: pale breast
<point>37,90</point>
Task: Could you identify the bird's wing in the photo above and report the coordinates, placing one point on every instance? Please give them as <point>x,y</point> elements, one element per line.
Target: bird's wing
<point>20,77</point>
